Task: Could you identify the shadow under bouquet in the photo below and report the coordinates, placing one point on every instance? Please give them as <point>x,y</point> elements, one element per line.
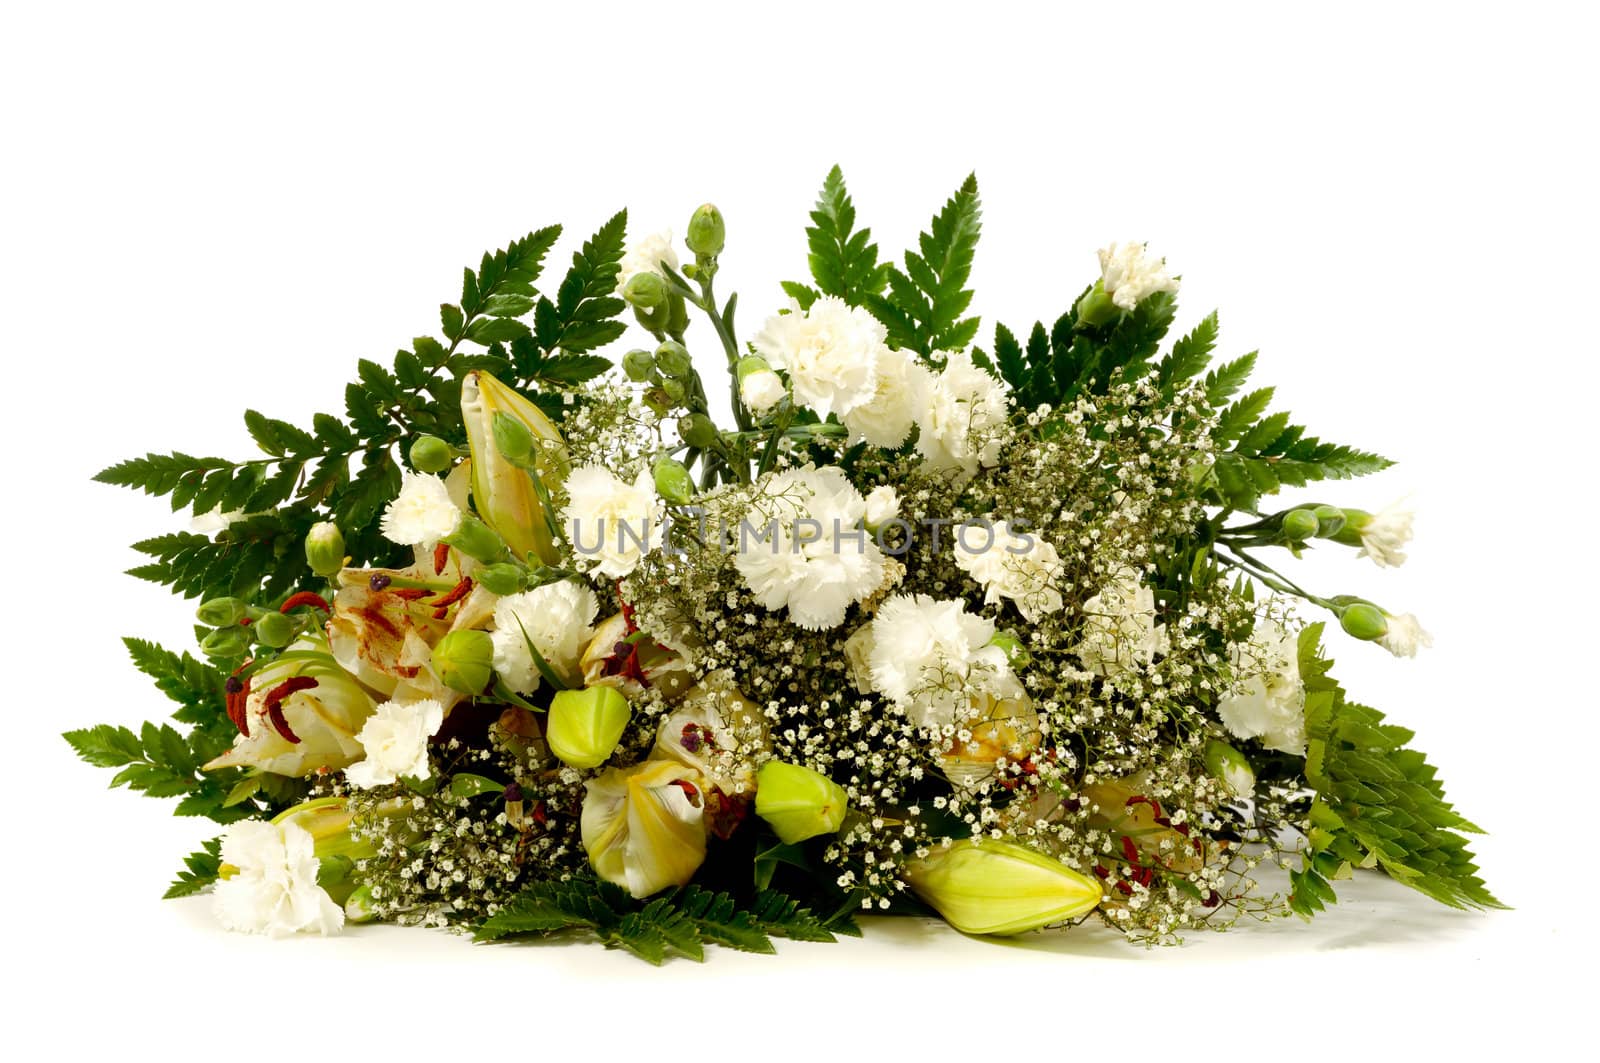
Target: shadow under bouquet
<point>525,642</point>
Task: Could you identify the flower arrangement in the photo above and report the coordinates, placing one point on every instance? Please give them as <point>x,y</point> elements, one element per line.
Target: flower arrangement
<point>525,642</point>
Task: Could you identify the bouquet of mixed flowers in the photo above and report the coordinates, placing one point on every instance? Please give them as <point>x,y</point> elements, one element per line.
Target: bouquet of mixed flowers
<point>524,644</point>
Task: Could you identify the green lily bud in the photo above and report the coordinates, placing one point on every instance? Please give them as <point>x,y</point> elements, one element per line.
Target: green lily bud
<point>1300,525</point>
<point>503,492</point>
<point>1329,520</point>
<point>499,579</point>
<point>584,726</point>
<point>464,661</point>
<point>275,630</point>
<point>1363,620</point>
<point>707,230</point>
<point>1000,888</point>
<point>645,291</point>
<point>1229,765</point>
<point>220,612</point>
<point>673,481</point>
<point>672,358</point>
<point>798,803</point>
<point>431,454</point>
<point>325,548</point>
<point>512,438</point>
<point>226,642</point>
<point>638,364</point>
<point>697,430</point>
<point>1096,307</point>
<point>359,907</point>
<point>1016,652</point>
<point>477,540</point>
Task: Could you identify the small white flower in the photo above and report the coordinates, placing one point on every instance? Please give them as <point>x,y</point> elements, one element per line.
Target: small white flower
<point>961,412</point>
<point>1383,536</point>
<point>558,618</point>
<point>883,505</point>
<point>935,659</point>
<point>829,351</point>
<point>396,740</point>
<point>610,521</point>
<point>1131,274</point>
<point>1267,699</point>
<point>1023,568</point>
<point>647,256</point>
<point>1405,635</point>
<point>886,418</point>
<point>1120,632</point>
<point>273,888</point>
<point>761,390</point>
<point>422,513</point>
<point>213,521</point>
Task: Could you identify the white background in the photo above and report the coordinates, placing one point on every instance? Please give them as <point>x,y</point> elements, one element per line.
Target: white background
<point>206,207</point>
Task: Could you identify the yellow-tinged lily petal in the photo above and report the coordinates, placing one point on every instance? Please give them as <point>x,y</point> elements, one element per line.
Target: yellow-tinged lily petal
<point>502,492</point>
<point>992,887</point>
<point>644,827</point>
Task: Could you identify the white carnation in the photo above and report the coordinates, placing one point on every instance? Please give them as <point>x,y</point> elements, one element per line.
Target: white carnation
<point>1130,274</point>
<point>1405,635</point>
<point>803,548</point>
<point>1267,699</point>
<point>610,521</point>
<point>883,505</point>
<point>273,889</point>
<point>422,513</point>
<point>558,618</point>
<point>886,418</point>
<point>396,737</point>
<point>829,351</point>
<point>1120,632</point>
<point>935,659</point>
<point>1384,536</point>
<point>761,390</point>
<point>1023,568</point>
<point>962,413</point>
<point>647,256</point>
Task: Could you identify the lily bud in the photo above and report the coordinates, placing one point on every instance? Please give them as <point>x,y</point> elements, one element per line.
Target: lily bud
<point>798,803</point>
<point>504,493</point>
<point>707,230</point>
<point>220,612</point>
<point>1230,766</point>
<point>325,548</point>
<point>645,291</point>
<point>275,630</point>
<point>673,481</point>
<point>697,430</point>
<point>1000,888</point>
<point>464,661</point>
<point>226,642</point>
<point>431,454</point>
<point>638,364</point>
<point>499,579</point>
<point>1363,620</point>
<point>584,726</point>
<point>1330,519</point>
<point>1300,525</point>
<point>644,827</point>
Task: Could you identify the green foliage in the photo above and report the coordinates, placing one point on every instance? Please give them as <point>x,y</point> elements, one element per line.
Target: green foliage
<point>923,308</point>
<point>1378,802</point>
<point>200,870</point>
<point>843,259</point>
<point>679,923</point>
<point>1057,366</point>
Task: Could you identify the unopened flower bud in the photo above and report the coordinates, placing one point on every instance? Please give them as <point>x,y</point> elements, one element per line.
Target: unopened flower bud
<point>992,887</point>
<point>672,358</point>
<point>645,291</point>
<point>477,540</point>
<point>499,579</point>
<point>638,364</point>
<point>673,389</point>
<point>697,430</point>
<point>359,906</point>
<point>226,642</point>
<point>1300,525</point>
<point>1096,307</point>
<point>325,548</point>
<point>584,726</point>
<point>275,630</point>
<point>1230,766</point>
<point>673,482</point>
<point>707,231</point>
<point>464,661</point>
<point>760,389</point>
<point>1329,520</point>
<point>798,803</point>
<point>220,612</point>
<point>1363,620</point>
<point>431,454</point>
<point>512,438</point>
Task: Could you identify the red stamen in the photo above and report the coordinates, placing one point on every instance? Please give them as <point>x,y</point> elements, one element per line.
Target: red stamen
<point>238,696</point>
<point>411,594</point>
<point>441,558</point>
<point>453,595</point>
<point>274,704</point>
<point>539,816</point>
<point>299,598</point>
<point>1129,850</point>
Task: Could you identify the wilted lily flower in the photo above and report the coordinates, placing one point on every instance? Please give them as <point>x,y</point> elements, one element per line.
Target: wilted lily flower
<point>1000,888</point>
<point>619,655</point>
<point>1005,731</point>
<point>644,827</point>
<point>503,490</point>
<point>715,731</point>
